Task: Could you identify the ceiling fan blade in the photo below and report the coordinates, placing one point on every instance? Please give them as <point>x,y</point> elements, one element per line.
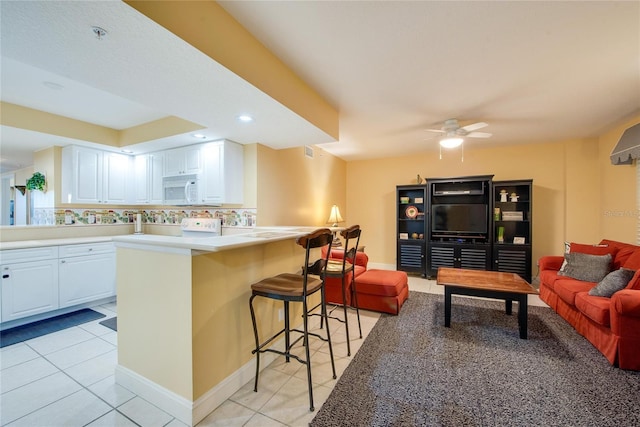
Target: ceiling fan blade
<point>479,134</point>
<point>474,126</point>
<point>435,130</point>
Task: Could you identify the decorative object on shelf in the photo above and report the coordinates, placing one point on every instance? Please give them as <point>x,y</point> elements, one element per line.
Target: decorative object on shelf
<point>419,200</point>
<point>414,235</point>
<point>518,240</point>
<point>503,195</point>
<point>512,216</point>
<point>501,234</point>
<point>411,212</point>
<point>420,236</point>
<point>418,179</point>
<point>514,197</point>
<point>404,200</point>
<point>496,214</point>
<point>404,236</point>
<point>36,182</point>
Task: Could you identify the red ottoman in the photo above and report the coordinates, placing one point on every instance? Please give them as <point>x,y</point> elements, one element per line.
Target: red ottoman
<point>382,290</point>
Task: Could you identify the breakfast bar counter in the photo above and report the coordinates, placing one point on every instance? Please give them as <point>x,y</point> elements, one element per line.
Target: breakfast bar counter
<point>184,327</point>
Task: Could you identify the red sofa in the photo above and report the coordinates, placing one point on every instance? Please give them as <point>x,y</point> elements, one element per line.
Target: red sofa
<point>612,325</point>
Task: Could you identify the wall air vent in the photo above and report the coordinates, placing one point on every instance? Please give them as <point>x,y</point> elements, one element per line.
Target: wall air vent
<point>308,151</point>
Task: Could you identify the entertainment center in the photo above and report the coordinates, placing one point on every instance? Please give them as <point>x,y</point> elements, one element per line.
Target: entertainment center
<point>464,222</point>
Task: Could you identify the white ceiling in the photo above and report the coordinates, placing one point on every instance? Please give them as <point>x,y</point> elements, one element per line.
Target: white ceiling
<point>534,71</point>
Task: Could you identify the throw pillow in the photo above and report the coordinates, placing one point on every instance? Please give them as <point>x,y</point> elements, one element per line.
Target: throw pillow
<point>599,249</point>
<point>586,267</point>
<point>612,283</point>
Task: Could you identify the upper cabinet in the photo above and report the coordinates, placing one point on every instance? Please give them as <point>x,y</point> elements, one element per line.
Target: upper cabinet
<point>95,176</point>
<point>223,176</point>
<point>183,161</point>
<point>148,170</point>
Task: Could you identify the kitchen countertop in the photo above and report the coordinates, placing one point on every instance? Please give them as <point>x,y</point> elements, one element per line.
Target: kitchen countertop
<point>258,236</point>
<point>255,236</point>
<point>28,244</point>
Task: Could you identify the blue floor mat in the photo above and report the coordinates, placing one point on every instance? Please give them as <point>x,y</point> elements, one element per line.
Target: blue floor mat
<point>47,326</point>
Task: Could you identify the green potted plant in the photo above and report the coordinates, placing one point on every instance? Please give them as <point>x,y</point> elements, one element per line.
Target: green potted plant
<point>36,182</point>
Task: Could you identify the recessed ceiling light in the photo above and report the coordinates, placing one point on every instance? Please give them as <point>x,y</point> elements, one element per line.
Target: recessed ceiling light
<point>199,136</point>
<point>245,118</point>
<point>52,85</point>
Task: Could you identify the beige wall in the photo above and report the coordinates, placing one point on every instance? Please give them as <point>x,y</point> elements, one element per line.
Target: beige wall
<point>618,208</point>
<point>575,186</point>
<point>297,190</point>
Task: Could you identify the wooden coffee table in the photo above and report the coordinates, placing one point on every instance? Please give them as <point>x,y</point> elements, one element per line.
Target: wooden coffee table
<point>488,284</point>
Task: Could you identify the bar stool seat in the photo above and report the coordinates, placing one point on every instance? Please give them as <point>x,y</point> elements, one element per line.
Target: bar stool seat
<point>288,287</point>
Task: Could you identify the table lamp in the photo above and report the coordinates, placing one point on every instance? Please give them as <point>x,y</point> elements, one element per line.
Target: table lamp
<point>334,219</point>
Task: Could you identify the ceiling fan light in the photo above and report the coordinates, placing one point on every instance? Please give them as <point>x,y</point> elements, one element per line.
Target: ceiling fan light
<point>451,142</point>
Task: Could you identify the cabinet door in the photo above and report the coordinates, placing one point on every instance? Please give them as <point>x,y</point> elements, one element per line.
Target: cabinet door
<point>173,162</point>
<point>116,178</point>
<point>141,179</point>
<point>192,160</point>
<point>155,165</point>
<point>29,288</point>
<point>213,182</point>
<point>86,278</point>
<point>81,175</point>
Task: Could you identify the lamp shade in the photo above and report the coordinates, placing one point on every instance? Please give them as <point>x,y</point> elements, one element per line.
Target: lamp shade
<point>334,216</point>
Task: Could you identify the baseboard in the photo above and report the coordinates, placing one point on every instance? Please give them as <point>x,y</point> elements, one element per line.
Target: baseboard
<point>380,266</point>
<point>188,412</point>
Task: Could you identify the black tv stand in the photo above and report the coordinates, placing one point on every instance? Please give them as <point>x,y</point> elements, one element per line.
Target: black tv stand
<point>463,250</point>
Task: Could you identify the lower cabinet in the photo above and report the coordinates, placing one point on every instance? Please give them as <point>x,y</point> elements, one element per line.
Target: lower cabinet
<point>513,259</point>
<point>454,255</point>
<point>86,273</point>
<point>410,256</point>
<point>40,280</point>
<point>29,288</point>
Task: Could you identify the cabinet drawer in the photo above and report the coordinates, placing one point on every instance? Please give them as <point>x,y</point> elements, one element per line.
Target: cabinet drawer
<point>86,249</point>
<point>31,254</point>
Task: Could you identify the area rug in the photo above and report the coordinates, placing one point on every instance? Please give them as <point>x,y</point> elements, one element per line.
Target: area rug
<point>412,371</point>
<point>47,326</point>
<point>111,323</point>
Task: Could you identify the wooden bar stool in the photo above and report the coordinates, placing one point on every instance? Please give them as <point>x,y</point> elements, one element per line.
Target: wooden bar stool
<point>344,270</point>
<point>289,287</point>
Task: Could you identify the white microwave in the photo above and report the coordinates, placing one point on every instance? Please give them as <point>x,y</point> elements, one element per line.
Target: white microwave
<point>180,190</point>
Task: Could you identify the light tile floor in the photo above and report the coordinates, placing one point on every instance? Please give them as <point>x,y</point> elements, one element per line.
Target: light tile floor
<point>67,379</point>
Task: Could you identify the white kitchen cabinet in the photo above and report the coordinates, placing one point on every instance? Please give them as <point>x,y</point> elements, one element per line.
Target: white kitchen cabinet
<point>183,161</point>
<point>223,173</point>
<point>95,176</point>
<point>141,178</point>
<point>29,282</point>
<point>86,272</point>
<point>148,172</point>
<point>156,165</point>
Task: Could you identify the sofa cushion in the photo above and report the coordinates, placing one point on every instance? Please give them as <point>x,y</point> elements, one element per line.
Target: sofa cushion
<point>549,277</point>
<point>612,283</point>
<point>594,307</point>
<point>590,268</point>
<point>633,261</point>
<point>625,250</point>
<point>599,249</point>
<point>567,289</point>
<point>634,283</point>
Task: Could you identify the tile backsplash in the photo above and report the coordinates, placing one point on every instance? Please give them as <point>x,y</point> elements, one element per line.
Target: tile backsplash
<point>71,217</point>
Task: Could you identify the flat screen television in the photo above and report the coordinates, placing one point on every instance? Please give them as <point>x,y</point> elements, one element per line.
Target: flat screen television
<point>459,219</point>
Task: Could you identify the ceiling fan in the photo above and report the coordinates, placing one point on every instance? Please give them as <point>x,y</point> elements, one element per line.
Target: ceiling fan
<point>454,133</point>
